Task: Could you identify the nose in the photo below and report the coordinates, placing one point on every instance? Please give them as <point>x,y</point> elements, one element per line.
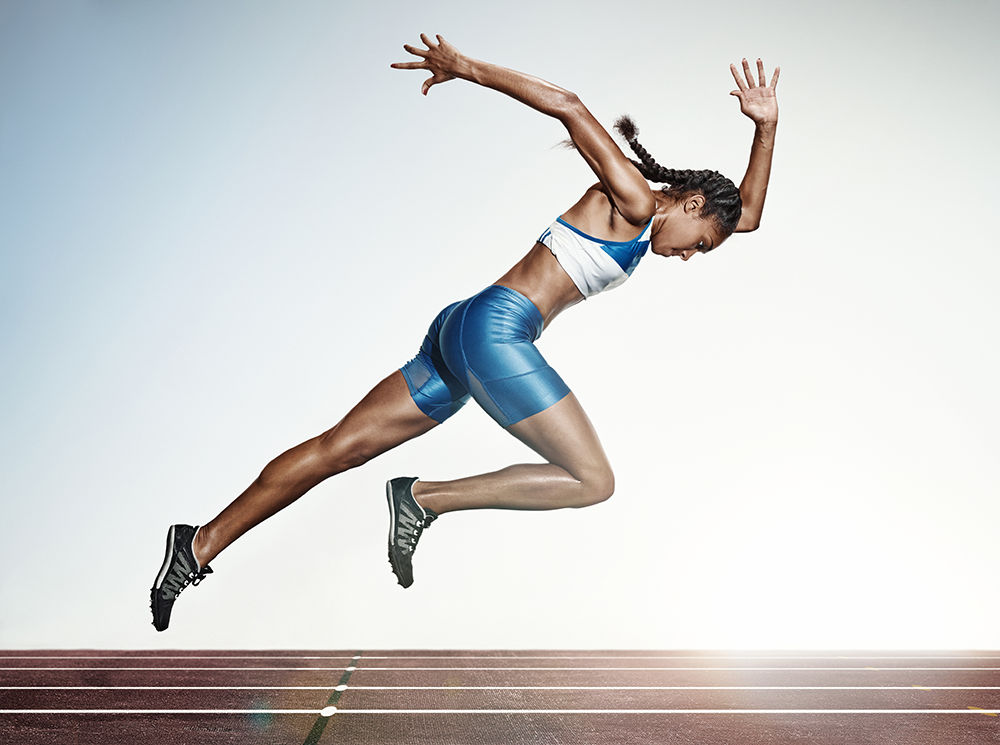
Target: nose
<point>685,255</point>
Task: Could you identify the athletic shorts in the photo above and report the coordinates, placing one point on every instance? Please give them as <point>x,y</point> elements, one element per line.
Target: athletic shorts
<point>484,347</point>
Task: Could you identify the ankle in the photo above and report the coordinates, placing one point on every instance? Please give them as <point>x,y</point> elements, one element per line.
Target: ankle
<point>200,547</point>
<point>423,495</point>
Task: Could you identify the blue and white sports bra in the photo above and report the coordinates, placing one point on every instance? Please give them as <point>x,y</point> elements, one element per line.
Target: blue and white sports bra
<point>594,265</point>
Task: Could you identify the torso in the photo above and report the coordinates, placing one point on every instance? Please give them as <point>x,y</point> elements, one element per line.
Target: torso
<point>539,277</point>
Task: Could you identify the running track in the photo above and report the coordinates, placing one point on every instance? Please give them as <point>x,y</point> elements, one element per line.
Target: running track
<point>481,698</point>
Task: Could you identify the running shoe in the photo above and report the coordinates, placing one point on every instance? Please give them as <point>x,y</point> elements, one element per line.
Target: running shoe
<point>407,521</point>
<point>179,570</point>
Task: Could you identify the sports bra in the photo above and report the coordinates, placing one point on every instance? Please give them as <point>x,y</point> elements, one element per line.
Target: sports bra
<point>594,264</point>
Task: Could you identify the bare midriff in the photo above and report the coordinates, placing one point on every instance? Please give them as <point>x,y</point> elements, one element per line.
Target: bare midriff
<point>539,278</point>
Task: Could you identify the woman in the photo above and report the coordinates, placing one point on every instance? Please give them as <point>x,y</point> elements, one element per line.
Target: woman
<point>483,346</point>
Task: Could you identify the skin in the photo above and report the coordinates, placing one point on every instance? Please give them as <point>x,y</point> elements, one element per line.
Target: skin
<point>576,471</point>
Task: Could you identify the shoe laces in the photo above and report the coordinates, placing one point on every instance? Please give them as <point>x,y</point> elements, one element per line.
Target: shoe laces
<point>193,579</point>
<point>418,529</point>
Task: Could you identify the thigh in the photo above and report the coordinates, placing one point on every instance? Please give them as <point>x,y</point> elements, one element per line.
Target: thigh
<point>435,390</point>
<point>383,419</point>
<point>488,341</point>
<point>564,435</point>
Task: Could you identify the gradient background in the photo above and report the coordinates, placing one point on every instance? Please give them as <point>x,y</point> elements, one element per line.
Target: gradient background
<point>222,222</point>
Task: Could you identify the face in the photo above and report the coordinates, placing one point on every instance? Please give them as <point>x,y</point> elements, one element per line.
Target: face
<point>682,232</point>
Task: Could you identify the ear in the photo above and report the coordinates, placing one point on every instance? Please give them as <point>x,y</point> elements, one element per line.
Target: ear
<point>694,203</point>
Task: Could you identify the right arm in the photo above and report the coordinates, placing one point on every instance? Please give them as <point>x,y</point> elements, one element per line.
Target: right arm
<point>624,185</point>
<point>759,102</point>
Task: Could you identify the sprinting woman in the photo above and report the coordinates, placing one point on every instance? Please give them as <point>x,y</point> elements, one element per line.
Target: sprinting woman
<point>483,346</point>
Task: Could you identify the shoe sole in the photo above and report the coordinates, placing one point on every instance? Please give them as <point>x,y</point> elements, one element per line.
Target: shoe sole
<point>393,519</point>
<point>158,623</point>
<point>166,559</point>
<point>393,516</point>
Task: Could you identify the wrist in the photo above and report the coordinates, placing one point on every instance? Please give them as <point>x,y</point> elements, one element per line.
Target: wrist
<point>469,69</point>
<point>766,126</point>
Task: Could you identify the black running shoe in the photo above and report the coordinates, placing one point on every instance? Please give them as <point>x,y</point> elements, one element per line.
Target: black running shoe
<point>179,570</point>
<point>407,521</point>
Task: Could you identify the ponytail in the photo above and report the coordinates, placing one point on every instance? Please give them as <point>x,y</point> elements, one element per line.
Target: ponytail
<point>722,198</point>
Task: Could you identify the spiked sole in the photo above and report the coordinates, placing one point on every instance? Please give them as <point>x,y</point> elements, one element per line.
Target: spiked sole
<point>393,518</point>
<point>161,620</point>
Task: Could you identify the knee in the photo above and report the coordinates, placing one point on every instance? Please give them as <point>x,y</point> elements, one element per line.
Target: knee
<point>340,453</point>
<point>318,459</point>
<point>597,487</point>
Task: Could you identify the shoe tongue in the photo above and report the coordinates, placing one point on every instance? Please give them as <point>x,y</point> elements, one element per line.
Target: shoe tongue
<point>430,516</point>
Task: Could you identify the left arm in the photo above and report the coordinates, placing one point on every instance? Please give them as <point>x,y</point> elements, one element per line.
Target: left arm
<point>625,187</point>
<point>759,102</point>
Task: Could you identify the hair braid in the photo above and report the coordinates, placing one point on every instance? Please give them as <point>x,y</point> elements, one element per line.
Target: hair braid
<point>722,198</point>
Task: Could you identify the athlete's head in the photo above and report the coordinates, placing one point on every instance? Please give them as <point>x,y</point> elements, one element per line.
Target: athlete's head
<point>705,195</point>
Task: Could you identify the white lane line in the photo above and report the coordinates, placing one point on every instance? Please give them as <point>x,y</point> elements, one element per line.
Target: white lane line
<point>681,657</point>
<point>501,688</point>
<point>315,712</point>
<point>113,668</point>
<point>497,657</point>
<point>186,657</point>
<point>165,688</point>
<point>549,669</point>
<point>312,712</point>
<point>668,711</point>
<point>671,688</point>
<point>708,669</point>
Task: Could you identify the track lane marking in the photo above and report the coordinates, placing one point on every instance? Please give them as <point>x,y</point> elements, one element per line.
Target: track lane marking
<point>331,704</point>
<point>502,669</point>
<point>703,669</point>
<point>315,712</point>
<point>165,688</point>
<point>498,688</point>
<point>496,657</point>
<point>987,712</point>
<point>173,657</point>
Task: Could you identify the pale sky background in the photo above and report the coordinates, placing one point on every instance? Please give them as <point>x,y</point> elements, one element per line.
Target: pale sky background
<point>222,222</point>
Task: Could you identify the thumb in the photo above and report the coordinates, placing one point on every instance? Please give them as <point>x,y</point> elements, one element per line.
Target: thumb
<point>735,93</point>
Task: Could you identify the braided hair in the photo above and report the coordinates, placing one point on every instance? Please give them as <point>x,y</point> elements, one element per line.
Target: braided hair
<point>722,198</point>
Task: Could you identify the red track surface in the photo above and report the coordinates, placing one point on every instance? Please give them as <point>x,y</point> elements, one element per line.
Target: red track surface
<point>480,698</point>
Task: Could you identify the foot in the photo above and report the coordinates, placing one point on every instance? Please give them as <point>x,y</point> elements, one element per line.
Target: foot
<point>407,521</point>
<point>179,570</point>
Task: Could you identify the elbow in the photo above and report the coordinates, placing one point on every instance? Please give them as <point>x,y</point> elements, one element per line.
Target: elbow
<point>749,222</point>
<point>567,105</point>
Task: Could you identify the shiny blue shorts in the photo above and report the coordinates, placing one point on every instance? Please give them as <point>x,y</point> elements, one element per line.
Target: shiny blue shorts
<point>484,347</point>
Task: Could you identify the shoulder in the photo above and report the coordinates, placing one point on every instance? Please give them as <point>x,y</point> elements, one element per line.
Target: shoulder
<point>596,215</point>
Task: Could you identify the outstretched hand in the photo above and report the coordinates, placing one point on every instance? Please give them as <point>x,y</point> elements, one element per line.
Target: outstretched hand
<point>757,99</point>
<point>442,59</point>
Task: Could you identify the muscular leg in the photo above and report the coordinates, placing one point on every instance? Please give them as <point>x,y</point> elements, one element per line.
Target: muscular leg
<point>385,418</point>
<point>577,474</point>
